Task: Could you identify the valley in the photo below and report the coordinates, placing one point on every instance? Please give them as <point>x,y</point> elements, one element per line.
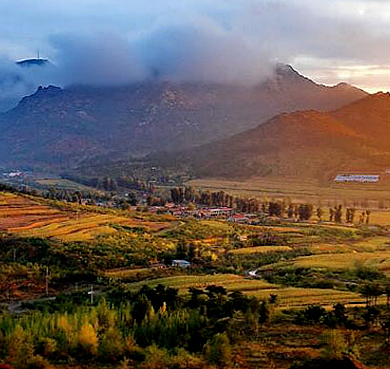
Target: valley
<point>290,266</point>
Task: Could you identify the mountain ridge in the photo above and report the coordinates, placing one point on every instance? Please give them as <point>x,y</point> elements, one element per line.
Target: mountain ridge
<point>303,143</point>
<point>135,120</point>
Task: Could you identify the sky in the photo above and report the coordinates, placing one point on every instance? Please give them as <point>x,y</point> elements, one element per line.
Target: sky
<point>111,42</point>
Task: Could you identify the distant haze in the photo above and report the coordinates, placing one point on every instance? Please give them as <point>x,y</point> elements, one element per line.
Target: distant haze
<point>106,42</point>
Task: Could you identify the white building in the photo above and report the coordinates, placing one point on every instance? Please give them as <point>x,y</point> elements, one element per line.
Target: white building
<point>360,178</point>
<point>181,263</point>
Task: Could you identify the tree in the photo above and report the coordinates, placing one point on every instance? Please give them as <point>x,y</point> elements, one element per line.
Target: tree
<point>370,316</point>
<point>320,213</point>
<point>386,291</point>
<point>273,298</point>
<point>182,250</point>
<point>290,211</point>
<point>305,211</point>
<point>338,213</point>
<point>385,325</point>
<point>350,215</point>
<point>275,209</point>
<point>88,339</point>
<point>218,350</point>
<point>313,314</point>
<point>368,212</point>
<point>331,214</point>
<point>371,291</point>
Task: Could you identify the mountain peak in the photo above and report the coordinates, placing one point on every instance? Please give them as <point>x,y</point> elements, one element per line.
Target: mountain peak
<point>47,91</point>
<point>381,94</point>
<point>343,85</point>
<point>286,70</point>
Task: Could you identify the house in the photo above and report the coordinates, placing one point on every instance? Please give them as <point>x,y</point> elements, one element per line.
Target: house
<point>238,218</point>
<point>181,263</point>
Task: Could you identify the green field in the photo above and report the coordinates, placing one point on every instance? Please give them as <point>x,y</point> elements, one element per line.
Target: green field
<point>63,184</point>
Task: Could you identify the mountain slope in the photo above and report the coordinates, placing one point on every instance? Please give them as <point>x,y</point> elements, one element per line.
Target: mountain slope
<point>65,127</point>
<point>305,143</point>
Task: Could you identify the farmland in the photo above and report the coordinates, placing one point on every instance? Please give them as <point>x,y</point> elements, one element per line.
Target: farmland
<point>280,271</point>
<point>287,297</point>
<point>62,184</point>
<point>26,217</point>
<point>299,190</point>
<point>379,260</point>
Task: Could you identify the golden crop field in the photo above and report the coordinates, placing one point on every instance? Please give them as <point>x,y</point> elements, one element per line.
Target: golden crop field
<point>231,282</point>
<point>259,250</point>
<point>125,272</point>
<point>297,189</point>
<point>24,216</point>
<point>288,297</point>
<point>379,260</point>
<point>292,297</point>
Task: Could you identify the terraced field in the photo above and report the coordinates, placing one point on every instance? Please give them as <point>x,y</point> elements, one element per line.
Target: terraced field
<point>288,297</point>
<point>260,250</point>
<point>28,218</point>
<point>378,260</point>
<point>231,282</point>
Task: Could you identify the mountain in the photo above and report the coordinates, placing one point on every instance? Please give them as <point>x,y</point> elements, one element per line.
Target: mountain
<point>66,127</point>
<point>304,143</point>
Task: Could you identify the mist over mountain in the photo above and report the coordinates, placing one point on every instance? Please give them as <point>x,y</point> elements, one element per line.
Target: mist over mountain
<point>65,127</point>
<point>21,78</point>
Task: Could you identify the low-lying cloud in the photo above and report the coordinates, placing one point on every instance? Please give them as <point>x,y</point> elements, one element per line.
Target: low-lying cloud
<point>218,41</point>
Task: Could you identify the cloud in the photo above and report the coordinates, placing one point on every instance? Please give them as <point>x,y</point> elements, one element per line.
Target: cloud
<point>14,83</point>
<point>97,60</point>
<point>205,53</point>
<point>116,42</point>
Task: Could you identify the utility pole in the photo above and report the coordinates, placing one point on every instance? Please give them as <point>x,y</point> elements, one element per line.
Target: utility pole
<point>47,281</point>
<point>91,293</point>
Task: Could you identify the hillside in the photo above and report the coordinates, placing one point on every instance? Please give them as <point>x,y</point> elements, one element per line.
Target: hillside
<point>63,128</point>
<point>306,143</point>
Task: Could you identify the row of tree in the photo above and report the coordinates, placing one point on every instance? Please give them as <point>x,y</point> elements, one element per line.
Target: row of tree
<point>280,209</point>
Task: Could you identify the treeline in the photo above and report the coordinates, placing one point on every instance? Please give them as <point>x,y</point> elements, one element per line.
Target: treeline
<point>151,328</point>
<point>112,183</point>
<point>280,209</point>
<point>76,196</point>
